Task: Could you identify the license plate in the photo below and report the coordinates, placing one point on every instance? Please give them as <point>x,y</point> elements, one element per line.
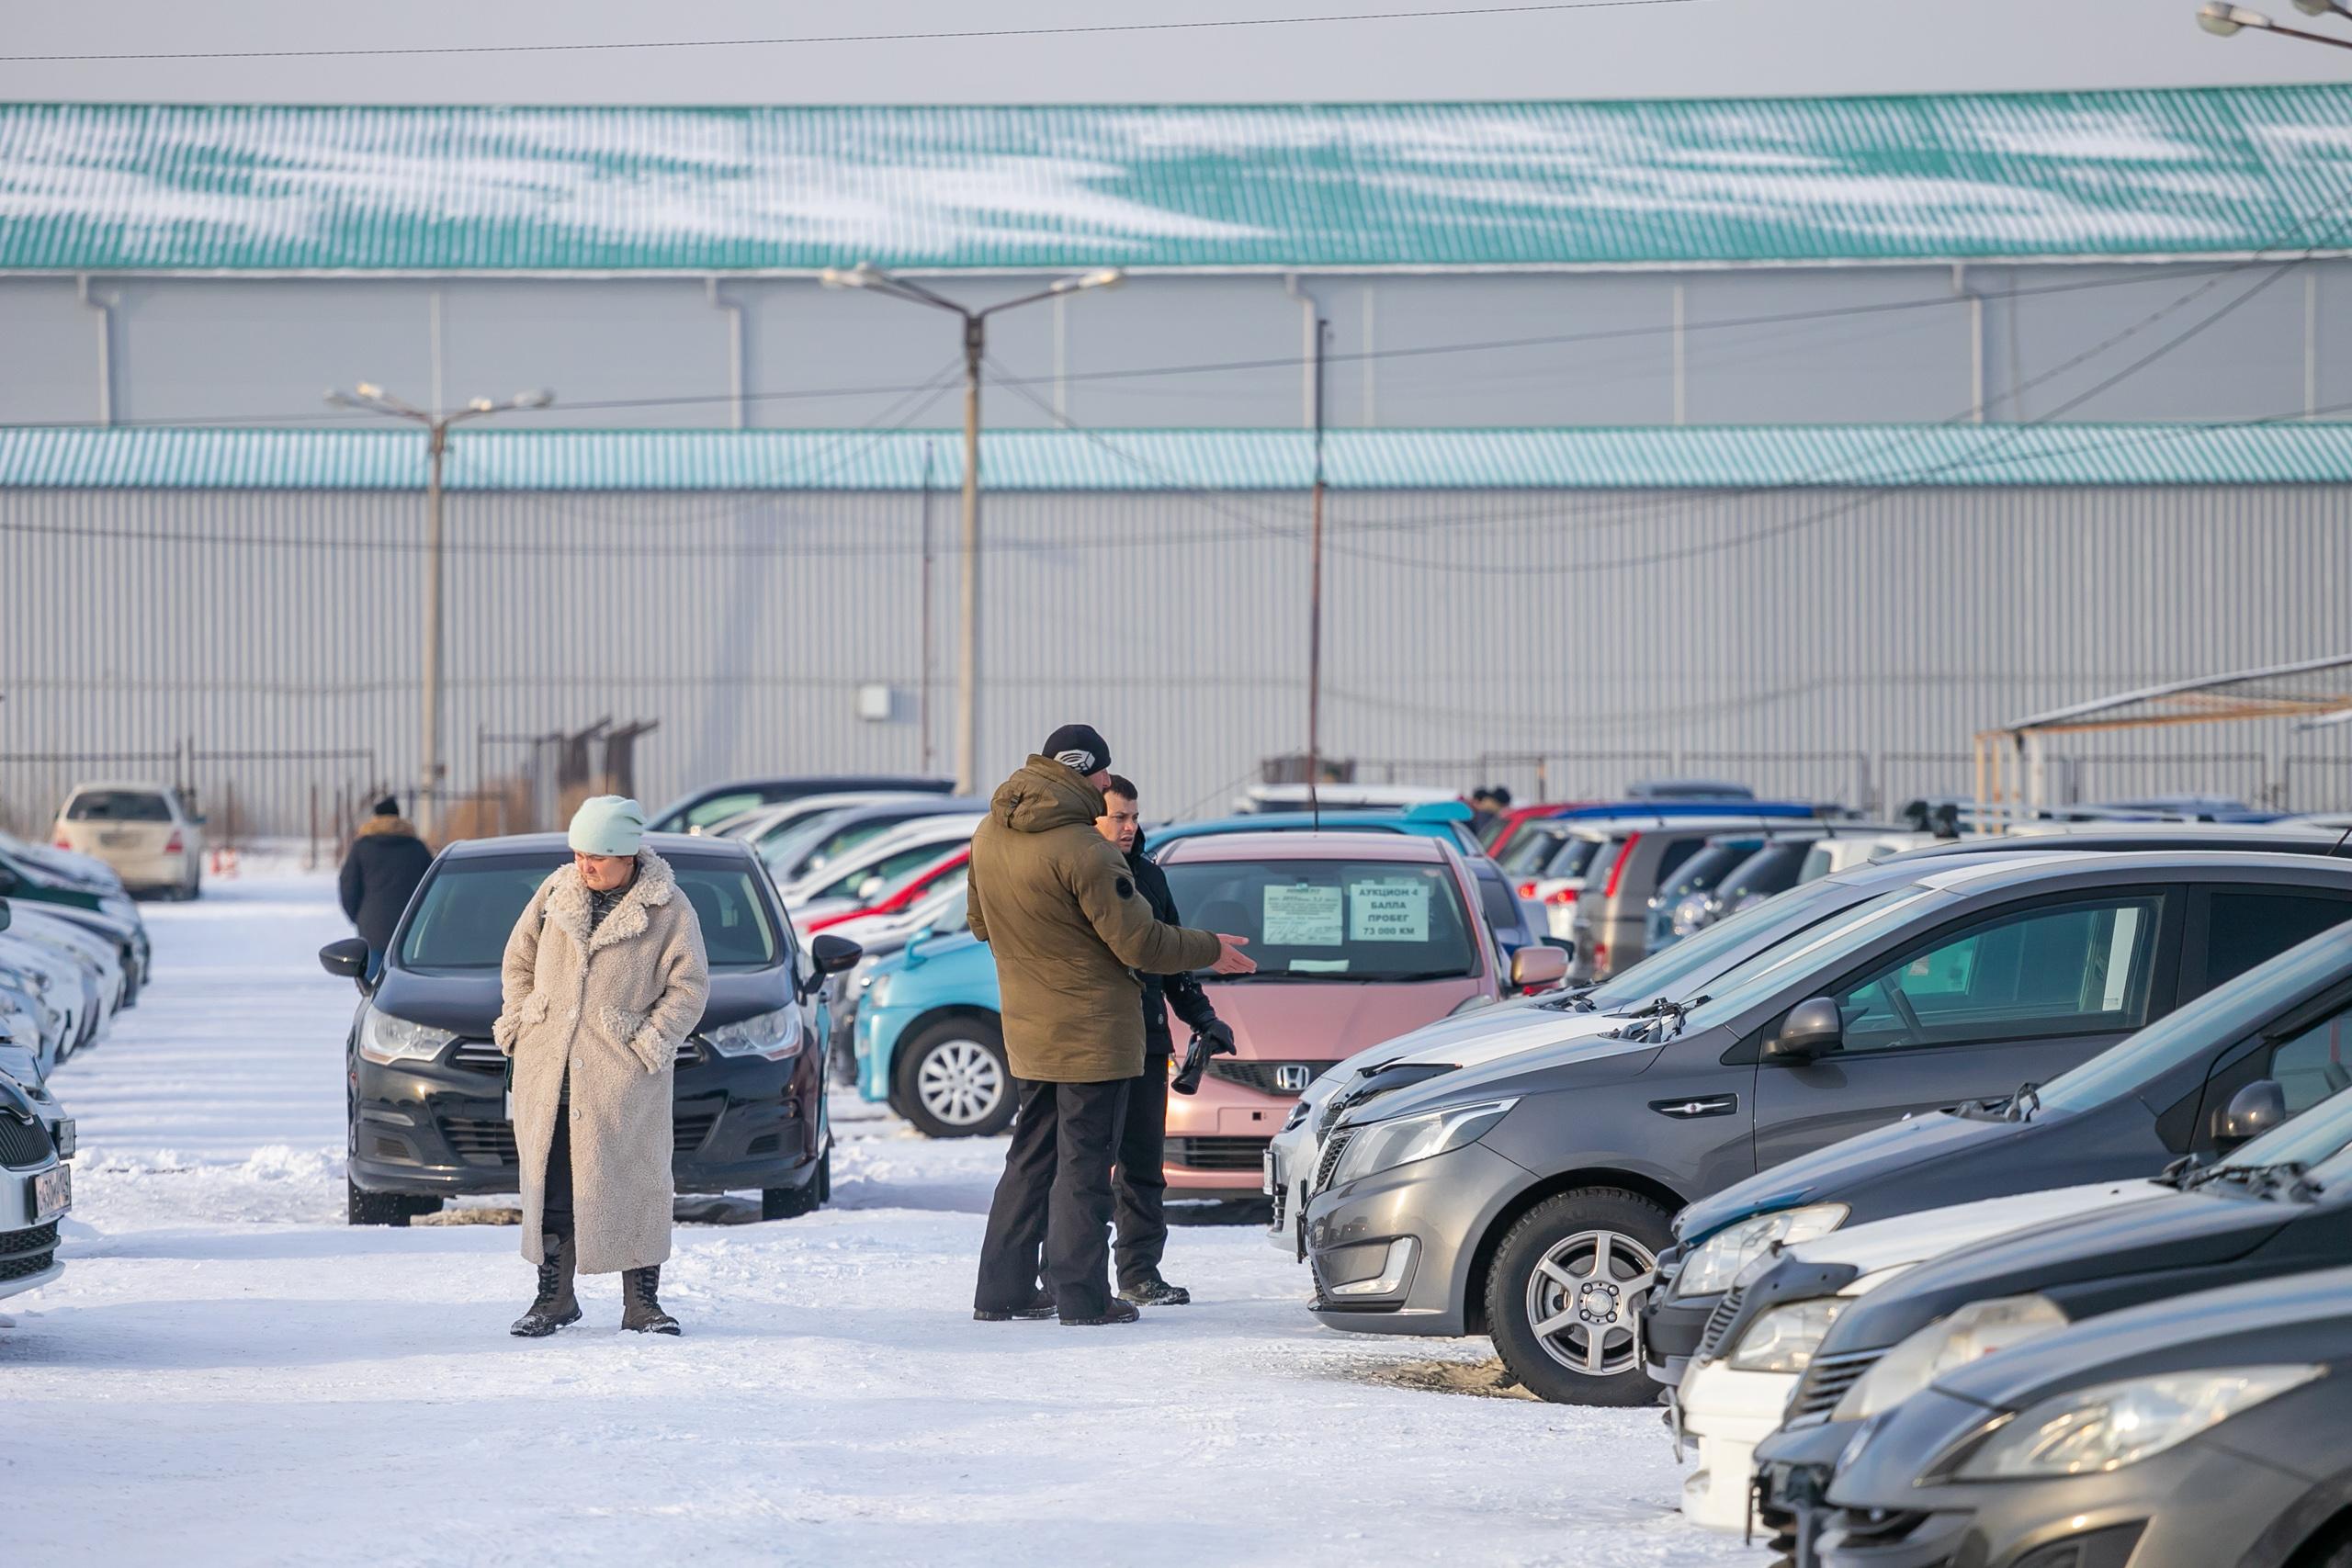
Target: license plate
<point>53,1194</point>
<point>117,840</point>
<point>1270,1179</point>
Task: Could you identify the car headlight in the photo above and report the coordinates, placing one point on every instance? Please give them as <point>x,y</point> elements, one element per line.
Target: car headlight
<point>775,1035</point>
<point>877,990</point>
<point>1783,1339</point>
<point>1977,1330</point>
<point>385,1039</point>
<point>1717,1263</point>
<point>2109,1426</point>
<point>1383,1146</point>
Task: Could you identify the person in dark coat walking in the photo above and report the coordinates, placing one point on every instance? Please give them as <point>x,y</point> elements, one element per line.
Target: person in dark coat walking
<point>1059,911</point>
<point>1139,1190</point>
<point>386,861</point>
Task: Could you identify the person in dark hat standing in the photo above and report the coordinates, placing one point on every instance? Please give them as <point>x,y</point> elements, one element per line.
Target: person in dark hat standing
<point>1140,1190</point>
<point>1059,910</point>
<point>386,861</point>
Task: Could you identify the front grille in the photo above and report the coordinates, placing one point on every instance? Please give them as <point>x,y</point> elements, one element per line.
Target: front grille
<point>1218,1153</point>
<point>23,1143</point>
<point>1825,1384</point>
<point>1263,1076</point>
<point>24,1265</point>
<point>481,1141</point>
<point>483,1055</point>
<point>38,1238</point>
<point>1332,1150</point>
<point>1719,1322</point>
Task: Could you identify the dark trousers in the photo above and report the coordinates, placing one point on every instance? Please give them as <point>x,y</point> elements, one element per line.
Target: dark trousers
<point>1055,1195</point>
<point>1140,1187</point>
<point>555,1196</point>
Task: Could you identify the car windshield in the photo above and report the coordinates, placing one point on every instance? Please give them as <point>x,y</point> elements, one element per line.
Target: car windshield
<point>1685,968</point>
<point>1809,952</point>
<point>1710,866</point>
<point>1525,855</point>
<point>118,806</point>
<point>1771,869</point>
<point>1333,920</point>
<point>468,907</point>
<point>2220,1016</point>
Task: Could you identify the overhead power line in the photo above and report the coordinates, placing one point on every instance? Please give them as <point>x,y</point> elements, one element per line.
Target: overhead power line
<point>943,35</point>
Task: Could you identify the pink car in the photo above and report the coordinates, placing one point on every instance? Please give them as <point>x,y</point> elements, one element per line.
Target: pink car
<point>1359,937</point>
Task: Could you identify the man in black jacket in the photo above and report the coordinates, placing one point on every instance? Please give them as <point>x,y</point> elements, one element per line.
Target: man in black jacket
<point>1140,1187</point>
<point>386,862</point>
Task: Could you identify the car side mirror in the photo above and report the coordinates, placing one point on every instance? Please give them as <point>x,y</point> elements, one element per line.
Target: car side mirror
<point>1813,1028</point>
<point>347,959</point>
<point>1538,968</point>
<point>2252,1112</point>
<point>830,956</point>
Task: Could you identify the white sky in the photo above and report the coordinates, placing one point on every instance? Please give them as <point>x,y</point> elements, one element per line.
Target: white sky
<point>1713,48</point>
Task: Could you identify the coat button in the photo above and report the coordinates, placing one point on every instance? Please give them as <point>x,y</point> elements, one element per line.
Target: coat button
<point>577,1064</point>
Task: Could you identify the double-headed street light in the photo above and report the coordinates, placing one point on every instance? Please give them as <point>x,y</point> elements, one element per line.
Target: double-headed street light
<point>866,274</point>
<point>375,399</point>
<point>2223,20</point>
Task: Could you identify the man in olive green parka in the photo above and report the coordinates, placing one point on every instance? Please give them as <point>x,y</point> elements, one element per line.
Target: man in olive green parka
<point>1056,905</point>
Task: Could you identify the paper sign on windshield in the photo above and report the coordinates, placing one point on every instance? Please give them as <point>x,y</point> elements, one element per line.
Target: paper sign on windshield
<point>1301,915</point>
<point>1390,909</point>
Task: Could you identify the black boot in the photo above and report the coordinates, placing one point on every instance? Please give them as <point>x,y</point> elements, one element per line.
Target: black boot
<point>1117,1312</point>
<point>641,1308</point>
<point>555,1306</point>
<point>1152,1291</point>
<point>1040,1305</point>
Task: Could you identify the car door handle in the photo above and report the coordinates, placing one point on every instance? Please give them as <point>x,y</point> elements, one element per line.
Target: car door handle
<point>1696,1107</point>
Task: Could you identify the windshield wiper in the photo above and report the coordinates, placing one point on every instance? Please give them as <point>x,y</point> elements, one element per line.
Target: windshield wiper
<point>2024,1103</point>
<point>1661,1020</point>
<point>2182,1173</point>
<point>2259,1180</point>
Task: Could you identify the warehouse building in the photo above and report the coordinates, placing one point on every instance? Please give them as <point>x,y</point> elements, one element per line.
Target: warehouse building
<point>1795,441</point>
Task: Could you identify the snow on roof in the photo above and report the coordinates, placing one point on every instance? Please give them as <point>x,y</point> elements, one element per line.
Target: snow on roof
<point>274,188</point>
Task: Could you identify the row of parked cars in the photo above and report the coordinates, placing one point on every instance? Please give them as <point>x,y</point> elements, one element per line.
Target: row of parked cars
<point>74,955</point>
<point>1984,1202</point>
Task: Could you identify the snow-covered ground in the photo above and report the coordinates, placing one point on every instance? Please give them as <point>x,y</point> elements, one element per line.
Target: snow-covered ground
<point>227,1374</point>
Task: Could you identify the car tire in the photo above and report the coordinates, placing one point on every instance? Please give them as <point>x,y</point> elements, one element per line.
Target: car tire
<point>1538,1278</point>
<point>953,1080</point>
<point>378,1208</point>
<point>792,1202</point>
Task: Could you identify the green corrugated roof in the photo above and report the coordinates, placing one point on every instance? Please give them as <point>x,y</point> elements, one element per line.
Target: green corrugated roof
<point>122,187</point>
<point>1661,457</point>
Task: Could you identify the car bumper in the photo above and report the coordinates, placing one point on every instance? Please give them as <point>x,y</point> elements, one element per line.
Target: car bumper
<point>875,1036</point>
<point>1671,1330</point>
<point>1290,1166</point>
<point>1218,1137</point>
<point>1441,1206</point>
<point>739,1124</point>
<point>1726,1413</point>
<point>2199,1503</point>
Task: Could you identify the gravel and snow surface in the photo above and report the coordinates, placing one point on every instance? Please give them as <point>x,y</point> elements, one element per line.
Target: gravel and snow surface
<point>228,1374</point>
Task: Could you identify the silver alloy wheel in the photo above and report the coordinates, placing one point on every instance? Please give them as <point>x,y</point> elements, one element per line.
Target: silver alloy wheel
<point>960,1081</point>
<point>1584,1301</point>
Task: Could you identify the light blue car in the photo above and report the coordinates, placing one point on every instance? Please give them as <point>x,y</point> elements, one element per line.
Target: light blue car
<point>928,1035</point>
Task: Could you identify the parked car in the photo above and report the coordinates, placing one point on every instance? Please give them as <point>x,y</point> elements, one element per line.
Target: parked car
<point>2161,1095</point>
<point>946,873</point>
<point>764,827</point>
<point>702,810</point>
<point>1846,851</point>
<point>2279,1207</point>
<point>75,869</point>
<point>144,831</point>
<point>63,989</point>
<point>1479,1195</point>
<point>111,914</point>
<point>1588,1013</point>
<point>1688,789</point>
<point>1260,798</point>
<point>1732,872</point>
<point>927,1037</point>
<point>426,1092</point>
<point>847,885</point>
<point>1357,937</point>
<point>1608,915</point>
<point>2207,1428</point>
<point>830,838</point>
<point>36,1189</point>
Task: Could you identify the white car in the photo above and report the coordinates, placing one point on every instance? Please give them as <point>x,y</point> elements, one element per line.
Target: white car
<point>36,1184</point>
<point>845,883</point>
<point>79,942</point>
<point>142,829</point>
<point>1733,1400</point>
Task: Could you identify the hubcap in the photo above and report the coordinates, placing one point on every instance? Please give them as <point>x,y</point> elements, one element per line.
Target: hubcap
<point>960,1082</point>
<point>1584,1301</point>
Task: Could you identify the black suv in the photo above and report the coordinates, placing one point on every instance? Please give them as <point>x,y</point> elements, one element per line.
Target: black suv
<point>427,1088</point>
<point>1528,1198</point>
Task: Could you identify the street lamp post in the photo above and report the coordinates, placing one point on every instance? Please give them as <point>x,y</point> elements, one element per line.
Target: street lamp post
<point>2223,20</point>
<point>866,274</point>
<point>375,399</point>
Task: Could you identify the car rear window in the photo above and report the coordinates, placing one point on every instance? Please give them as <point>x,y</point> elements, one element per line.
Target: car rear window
<point>1333,920</point>
<point>118,806</point>
<point>468,907</point>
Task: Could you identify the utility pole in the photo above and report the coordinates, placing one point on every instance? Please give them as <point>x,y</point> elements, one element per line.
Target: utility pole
<point>922,691</point>
<point>866,274</point>
<point>1314,604</point>
<point>375,399</point>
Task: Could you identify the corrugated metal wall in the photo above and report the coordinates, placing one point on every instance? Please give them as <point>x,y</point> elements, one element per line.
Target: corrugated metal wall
<point>1842,643</point>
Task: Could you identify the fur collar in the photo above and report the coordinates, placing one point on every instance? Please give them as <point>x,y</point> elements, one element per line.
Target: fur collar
<point>379,827</point>
<point>566,905</point>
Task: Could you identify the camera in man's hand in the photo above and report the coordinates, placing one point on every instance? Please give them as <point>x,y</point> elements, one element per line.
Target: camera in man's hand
<point>1212,1038</point>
